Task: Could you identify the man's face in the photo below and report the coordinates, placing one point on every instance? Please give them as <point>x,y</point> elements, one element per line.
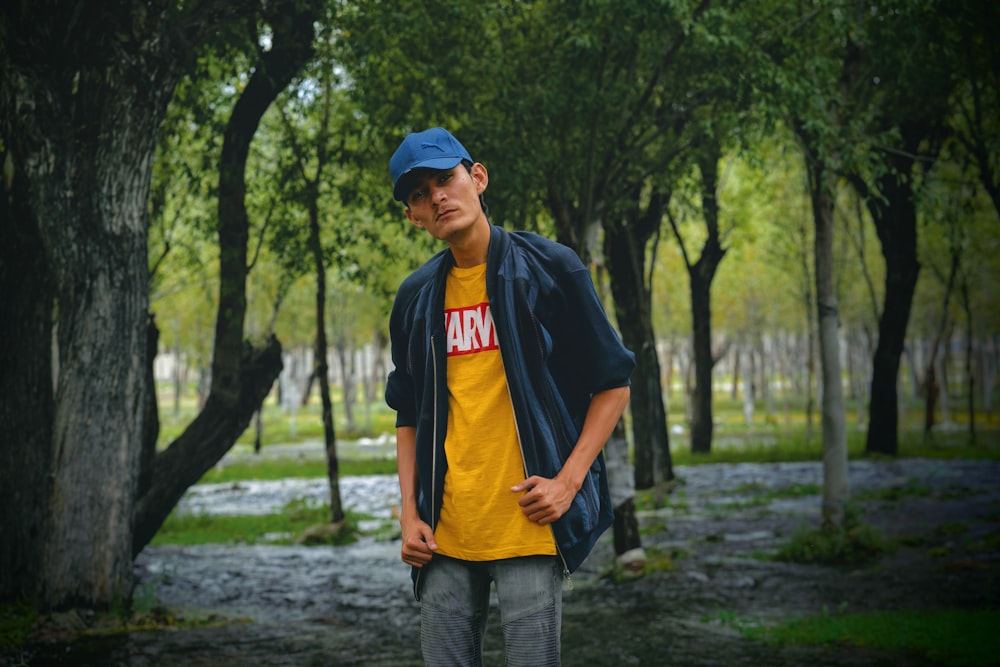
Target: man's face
<point>446,203</point>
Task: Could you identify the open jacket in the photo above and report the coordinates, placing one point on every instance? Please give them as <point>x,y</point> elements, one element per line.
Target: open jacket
<point>558,350</point>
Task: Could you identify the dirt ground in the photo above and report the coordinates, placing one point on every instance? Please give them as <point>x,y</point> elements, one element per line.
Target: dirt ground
<point>351,606</point>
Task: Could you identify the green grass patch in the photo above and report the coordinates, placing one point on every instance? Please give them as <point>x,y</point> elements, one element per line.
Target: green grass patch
<point>795,491</point>
<point>951,637</point>
<point>855,543</point>
<point>790,444</point>
<point>785,448</point>
<point>278,528</point>
<point>908,489</point>
<point>267,468</point>
<point>16,620</point>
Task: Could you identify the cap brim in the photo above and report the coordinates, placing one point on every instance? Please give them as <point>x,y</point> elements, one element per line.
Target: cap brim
<point>402,183</point>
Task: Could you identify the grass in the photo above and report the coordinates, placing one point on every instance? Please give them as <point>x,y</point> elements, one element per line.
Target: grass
<point>854,543</point>
<point>278,528</point>
<point>17,619</point>
<point>791,445</point>
<point>950,637</point>
<point>285,467</point>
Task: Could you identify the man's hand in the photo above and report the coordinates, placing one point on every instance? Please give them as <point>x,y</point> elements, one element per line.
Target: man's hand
<point>418,542</point>
<point>544,500</point>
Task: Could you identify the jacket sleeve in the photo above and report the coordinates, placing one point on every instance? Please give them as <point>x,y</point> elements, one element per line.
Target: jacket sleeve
<point>591,340</point>
<point>399,386</point>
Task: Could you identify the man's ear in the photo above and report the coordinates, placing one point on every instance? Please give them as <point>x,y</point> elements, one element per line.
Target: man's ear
<point>480,176</point>
<point>409,216</point>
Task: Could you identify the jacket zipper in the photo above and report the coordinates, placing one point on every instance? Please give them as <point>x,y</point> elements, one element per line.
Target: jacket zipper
<point>567,577</point>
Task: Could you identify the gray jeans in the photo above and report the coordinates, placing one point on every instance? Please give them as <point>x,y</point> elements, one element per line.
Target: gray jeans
<point>455,603</point>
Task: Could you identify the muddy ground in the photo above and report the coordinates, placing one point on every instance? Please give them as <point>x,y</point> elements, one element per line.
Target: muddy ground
<point>267,605</point>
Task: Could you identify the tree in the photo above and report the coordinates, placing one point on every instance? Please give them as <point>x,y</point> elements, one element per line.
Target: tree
<point>700,274</point>
<point>835,483</point>
<point>813,99</point>
<point>241,376</point>
<point>79,126</point>
<point>906,114</point>
<point>310,188</point>
<point>627,237</point>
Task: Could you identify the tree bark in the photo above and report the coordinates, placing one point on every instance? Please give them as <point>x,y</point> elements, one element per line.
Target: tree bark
<point>575,236</point>
<point>835,481</point>
<point>80,122</point>
<point>26,391</point>
<point>625,531</point>
<point>625,244</point>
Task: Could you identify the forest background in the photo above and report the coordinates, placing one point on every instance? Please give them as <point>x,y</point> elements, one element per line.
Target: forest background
<point>785,204</point>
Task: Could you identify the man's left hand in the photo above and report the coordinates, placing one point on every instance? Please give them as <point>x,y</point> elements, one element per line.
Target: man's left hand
<point>544,500</point>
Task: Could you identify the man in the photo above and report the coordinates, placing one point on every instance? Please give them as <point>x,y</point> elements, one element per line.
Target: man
<point>508,379</point>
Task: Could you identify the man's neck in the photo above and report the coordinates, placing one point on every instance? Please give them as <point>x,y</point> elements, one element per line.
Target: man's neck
<point>471,250</point>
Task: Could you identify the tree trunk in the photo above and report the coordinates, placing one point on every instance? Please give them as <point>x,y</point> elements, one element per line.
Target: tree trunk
<point>80,122</point>
<point>932,387</point>
<point>629,553</point>
<point>241,376</point>
<point>701,274</point>
<point>311,193</point>
<point>625,249</point>
<point>702,421</point>
<point>205,441</point>
<point>735,389</point>
<point>322,367</point>
<point>835,482</point>
<point>26,391</point>
<point>896,224</point>
<point>970,373</point>
<point>575,237</point>
<point>808,284</point>
<point>749,390</point>
<point>347,357</point>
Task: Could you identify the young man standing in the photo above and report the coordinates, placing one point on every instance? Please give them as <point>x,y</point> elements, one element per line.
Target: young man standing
<point>508,379</point>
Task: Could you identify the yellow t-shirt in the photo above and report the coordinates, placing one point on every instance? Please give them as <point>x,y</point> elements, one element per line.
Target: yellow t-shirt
<point>480,518</point>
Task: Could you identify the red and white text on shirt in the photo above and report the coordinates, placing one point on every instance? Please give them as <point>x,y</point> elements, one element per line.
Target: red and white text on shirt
<point>470,329</point>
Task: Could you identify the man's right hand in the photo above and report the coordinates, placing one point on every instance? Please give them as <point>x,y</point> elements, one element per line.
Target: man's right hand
<point>418,542</point>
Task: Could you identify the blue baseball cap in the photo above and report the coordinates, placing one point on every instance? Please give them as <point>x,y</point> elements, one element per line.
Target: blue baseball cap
<point>435,148</point>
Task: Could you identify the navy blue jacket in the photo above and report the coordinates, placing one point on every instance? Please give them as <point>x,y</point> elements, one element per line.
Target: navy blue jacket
<point>558,350</point>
